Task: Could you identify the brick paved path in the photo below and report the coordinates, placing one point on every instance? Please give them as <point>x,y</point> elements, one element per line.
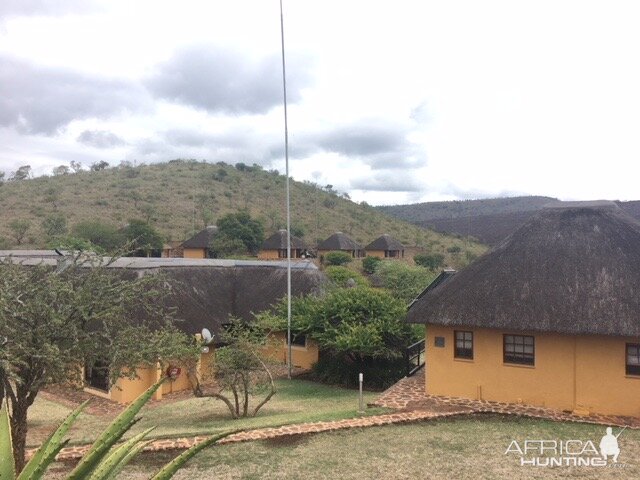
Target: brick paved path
<point>409,395</point>
<point>411,403</point>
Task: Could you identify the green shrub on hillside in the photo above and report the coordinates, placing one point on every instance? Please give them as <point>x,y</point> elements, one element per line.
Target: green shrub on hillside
<point>404,282</point>
<point>432,261</point>
<point>369,264</point>
<point>337,258</point>
<point>340,276</point>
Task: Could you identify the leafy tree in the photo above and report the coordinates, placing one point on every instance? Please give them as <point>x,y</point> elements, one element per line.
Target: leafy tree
<point>2,174</point>
<point>54,225</point>
<point>432,261</point>
<point>51,195</point>
<point>342,276</point>
<point>54,319</point>
<point>19,228</point>
<point>76,166</point>
<point>223,246</point>
<point>358,329</point>
<point>61,170</point>
<point>144,239</point>
<point>239,371</point>
<point>369,264</point>
<point>404,282</point>
<point>101,234</point>
<point>240,226</point>
<point>22,173</point>
<point>337,258</point>
<point>97,166</point>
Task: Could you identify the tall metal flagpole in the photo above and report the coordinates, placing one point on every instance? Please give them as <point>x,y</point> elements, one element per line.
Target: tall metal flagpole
<point>286,158</point>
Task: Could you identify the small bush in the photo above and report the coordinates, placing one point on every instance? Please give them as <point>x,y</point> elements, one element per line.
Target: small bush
<point>432,261</point>
<point>454,249</point>
<point>379,373</point>
<point>369,264</point>
<point>337,258</point>
<point>340,276</point>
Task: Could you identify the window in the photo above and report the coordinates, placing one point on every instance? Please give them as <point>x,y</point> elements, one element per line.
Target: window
<point>463,345</point>
<point>96,375</point>
<point>633,359</point>
<point>519,349</point>
<point>298,340</point>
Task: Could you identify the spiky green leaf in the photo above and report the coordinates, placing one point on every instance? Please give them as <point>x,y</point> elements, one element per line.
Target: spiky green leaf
<point>43,457</point>
<point>111,435</point>
<point>172,467</point>
<point>7,467</point>
<point>117,455</point>
<point>123,463</point>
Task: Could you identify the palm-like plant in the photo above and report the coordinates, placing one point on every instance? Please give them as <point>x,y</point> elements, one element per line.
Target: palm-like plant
<point>104,460</point>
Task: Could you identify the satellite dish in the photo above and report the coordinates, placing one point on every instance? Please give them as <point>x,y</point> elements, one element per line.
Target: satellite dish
<point>206,336</point>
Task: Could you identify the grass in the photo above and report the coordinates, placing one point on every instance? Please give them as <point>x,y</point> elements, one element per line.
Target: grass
<point>458,448</point>
<point>180,197</point>
<point>297,401</point>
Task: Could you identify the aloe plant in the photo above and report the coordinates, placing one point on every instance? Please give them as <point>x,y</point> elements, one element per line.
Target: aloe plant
<point>104,460</point>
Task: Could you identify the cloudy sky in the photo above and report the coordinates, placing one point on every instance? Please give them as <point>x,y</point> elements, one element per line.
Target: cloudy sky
<point>393,102</point>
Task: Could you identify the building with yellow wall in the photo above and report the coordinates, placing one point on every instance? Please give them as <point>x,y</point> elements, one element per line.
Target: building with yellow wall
<point>198,246</point>
<point>550,317</point>
<point>208,293</point>
<point>275,247</point>
<point>385,246</point>
<point>339,242</point>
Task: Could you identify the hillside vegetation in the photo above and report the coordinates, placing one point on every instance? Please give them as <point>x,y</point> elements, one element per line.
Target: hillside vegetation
<point>181,197</point>
<point>489,220</point>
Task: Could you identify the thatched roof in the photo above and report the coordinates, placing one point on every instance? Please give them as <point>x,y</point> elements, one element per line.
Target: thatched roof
<point>385,242</point>
<point>278,241</point>
<point>339,241</point>
<point>201,239</point>
<point>570,270</point>
<point>206,293</point>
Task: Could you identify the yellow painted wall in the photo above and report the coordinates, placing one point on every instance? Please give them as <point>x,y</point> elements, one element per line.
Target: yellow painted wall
<point>303,357</point>
<point>194,253</point>
<point>269,255</point>
<point>582,373</point>
<point>380,254</point>
<point>126,390</point>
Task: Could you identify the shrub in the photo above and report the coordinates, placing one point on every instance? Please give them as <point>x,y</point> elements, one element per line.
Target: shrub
<point>340,276</point>
<point>379,373</point>
<point>369,264</point>
<point>454,249</point>
<point>432,261</point>
<point>403,281</point>
<point>337,258</point>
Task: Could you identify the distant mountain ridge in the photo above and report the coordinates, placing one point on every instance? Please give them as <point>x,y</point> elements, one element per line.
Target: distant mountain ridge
<point>487,220</point>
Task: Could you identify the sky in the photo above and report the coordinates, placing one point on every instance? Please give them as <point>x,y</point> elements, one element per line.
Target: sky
<point>391,102</point>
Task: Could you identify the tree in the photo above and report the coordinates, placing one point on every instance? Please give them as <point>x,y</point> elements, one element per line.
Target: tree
<point>22,173</point>
<point>240,226</point>
<point>403,281</point>
<point>52,320</point>
<point>239,371</point>
<point>344,277</point>
<point>224,246</point>
<point>358,329</point>
<point>97,166</point>
<point>369,264</point>
<point>76,166</point>
<point>19,228</point>
<point>2,174</point>
<point>432,261</point>
<point>144,239</point>
<point>100,234</point>
<point>337,258</point>
<point>61,170</point>
<point>54,225</point>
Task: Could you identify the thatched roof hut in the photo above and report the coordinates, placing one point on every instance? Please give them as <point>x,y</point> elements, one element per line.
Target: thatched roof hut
<point>202,239</point>
<point>206,293</point>
<point>339,241</point>
<point>385,242</point>
<point>573,269</point>
<point>278,241</point>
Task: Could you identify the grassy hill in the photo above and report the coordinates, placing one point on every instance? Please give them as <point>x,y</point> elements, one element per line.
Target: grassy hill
<point>180,197</point>
<point>488,220</point>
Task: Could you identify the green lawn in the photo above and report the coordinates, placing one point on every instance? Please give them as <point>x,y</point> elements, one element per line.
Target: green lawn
<point>457,448</point>
<point>296,401</point>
